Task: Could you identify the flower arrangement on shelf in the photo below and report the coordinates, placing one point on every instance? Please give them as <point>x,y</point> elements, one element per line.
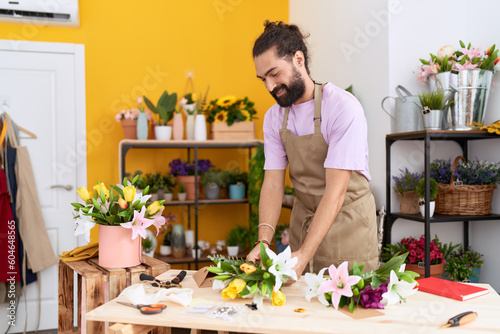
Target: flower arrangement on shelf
<point>164,109</point>
<point>240,279</point>
<point>229,109</point>
<point>177,167</point>
<point>473,172</point>
<point>390,284</point>
<point>461,264</point>
<point>133,114</point>
<point>118,206</point>
<point>190,103</point>
<point>465,58</point>
<point>407,181</point>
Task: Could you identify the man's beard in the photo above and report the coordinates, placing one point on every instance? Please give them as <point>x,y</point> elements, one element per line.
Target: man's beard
<point>293,92</point>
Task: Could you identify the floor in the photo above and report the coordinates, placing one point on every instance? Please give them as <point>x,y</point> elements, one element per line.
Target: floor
<point>174,331</point>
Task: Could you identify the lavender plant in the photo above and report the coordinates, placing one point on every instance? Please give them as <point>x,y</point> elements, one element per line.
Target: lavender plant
<point>441,170</point>
<point>478,172</point>
<point>406,181</point>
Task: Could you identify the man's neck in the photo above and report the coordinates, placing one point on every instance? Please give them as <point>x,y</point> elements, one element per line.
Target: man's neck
<point>309,91</point>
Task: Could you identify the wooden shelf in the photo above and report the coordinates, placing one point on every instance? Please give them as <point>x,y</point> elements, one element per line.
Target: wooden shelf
<point>207,201</point>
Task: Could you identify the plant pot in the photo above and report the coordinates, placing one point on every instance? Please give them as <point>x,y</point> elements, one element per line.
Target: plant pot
<point>168,197</point>
<point>142,126</point>
<point>165,250</point>
<point>189,235</point>
<point>232,250</point>
<point>163,132</point>
<point>194,251</point>
<point>178,127</point>
<point>181,196</point>
<point>190,126</point>
<point>432,119</point>
<point>129,128</point>
<point>212,191</point>
<point>189,185</point>
<point>432,206</point>
<point>149,253</point>
<point>288,199</point>
<point>178,241</point>
<point>408,202</point>
<point>436,269</point>
<point>474,277</point>
<point>200,128</point>
<point>236,191</point>
<point>117,249</point>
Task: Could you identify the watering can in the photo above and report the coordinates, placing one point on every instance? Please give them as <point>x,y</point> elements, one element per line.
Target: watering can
<point>407,113</point>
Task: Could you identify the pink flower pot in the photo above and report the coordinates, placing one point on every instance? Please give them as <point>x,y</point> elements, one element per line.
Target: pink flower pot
<point>178,127</point>
<point>117,249</point>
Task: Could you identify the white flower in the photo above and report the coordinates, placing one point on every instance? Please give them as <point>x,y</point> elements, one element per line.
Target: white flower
<point>282,267</point>
<point>397,290</point>
<point>139,197</point>
<point>447,50</point>
<point>313,283</point>
<point>84,224</point>
<point>219,284</point>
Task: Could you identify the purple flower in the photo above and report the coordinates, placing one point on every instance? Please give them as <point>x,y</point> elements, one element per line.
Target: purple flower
<point>177,167</point>
<point>370,298</point>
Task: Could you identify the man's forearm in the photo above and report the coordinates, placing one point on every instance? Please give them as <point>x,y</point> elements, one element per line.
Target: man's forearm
<point>269,209</point>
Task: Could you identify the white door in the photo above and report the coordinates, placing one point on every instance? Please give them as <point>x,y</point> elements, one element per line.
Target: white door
<point>42,89</point>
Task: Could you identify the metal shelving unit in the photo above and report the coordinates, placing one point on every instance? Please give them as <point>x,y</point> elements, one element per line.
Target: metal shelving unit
<point>460,137</point>
<point>192,146</point>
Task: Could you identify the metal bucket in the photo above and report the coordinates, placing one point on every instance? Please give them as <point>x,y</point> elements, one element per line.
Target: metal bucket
<point>432,119</point>
<point>472,88</point>
<point>407,113</point>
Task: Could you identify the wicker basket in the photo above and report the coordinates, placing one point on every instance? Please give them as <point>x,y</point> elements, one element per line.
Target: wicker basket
<point>471,200</point>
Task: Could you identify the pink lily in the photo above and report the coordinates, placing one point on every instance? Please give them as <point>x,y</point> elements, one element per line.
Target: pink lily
<point>466,66</point>
<point>138,224</point>
<point>472,53</point>
<point>340,283</point>
<point>427,70</point>
<point>158,221</point>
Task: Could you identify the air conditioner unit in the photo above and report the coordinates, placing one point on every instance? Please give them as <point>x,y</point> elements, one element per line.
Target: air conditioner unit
<point>62,13</point>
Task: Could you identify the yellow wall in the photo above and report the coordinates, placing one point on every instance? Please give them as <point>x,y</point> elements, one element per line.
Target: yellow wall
<point>135,48</point>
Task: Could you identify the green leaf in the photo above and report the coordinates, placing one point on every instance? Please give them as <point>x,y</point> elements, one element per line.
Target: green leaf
<point>150,106</point>
<point>254,288</point>
<point>77,206</point>
<point>103,198</point>
<point>123,214</point>
<point>215,270</point>
<point>223,277</point>
<point>425,62</point>
<point>376,282</point>
<point>227,267</point>
<point>134,180</point>
<point>96,204</point>
<point>270,286</point>
<point>462,44</point>
<point>118,190</point>
<point>145,191</point>
<point>351,305</point>
<point>263,255</point>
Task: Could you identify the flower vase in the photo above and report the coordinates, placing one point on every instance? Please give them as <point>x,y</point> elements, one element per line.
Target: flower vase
<point>212,191</point>
<point>178,241</point>
<point>165,250</point>
<point>142,126</point>
<point>232,250</point>
<point>237,191</point>
<point>117,249</point>
<point>129,128</point>
<point>181,196</point>
<point>163,132</point>
<point>200,128</point>
<point>190,127</point>
<point>436,269</point>
<point>178,127</point>
<point>432,206</point>
<point>408,202</point>
<point>189,185</point>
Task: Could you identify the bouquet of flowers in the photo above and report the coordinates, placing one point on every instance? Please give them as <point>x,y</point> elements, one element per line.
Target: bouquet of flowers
<point>229,109</point>
<point>177,167</point>
<point>133,114</point>
<point>390,284</point>
<point>465,58</point>
<point>239,278</point>
<point>119,205</point>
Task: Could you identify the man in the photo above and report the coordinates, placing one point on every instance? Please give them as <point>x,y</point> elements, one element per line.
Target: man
<point>320,131</point>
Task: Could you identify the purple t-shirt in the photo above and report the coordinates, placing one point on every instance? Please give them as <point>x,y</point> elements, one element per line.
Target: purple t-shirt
<point>343,126</point>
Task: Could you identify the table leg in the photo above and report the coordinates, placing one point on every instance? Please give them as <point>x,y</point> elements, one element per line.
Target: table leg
<point>65,298</point>
<point>94,298</point>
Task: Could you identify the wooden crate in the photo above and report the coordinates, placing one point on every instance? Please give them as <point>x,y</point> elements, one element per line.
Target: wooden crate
<point>237,131</point>
<point>96,286</point>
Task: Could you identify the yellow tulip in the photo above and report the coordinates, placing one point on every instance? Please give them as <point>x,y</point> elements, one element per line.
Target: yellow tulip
<point>154,208</point>
<point>227,293</point>
<point>247,268</point>
<point>237,285</point>
<point>100,186</point>
<point>278,298</point>
<point>129,193</point>
<point>122,203</point>
<point>83,193</point>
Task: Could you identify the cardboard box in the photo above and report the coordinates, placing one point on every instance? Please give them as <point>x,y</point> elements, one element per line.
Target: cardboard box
<point>237,131</point>
<point>204,278</point>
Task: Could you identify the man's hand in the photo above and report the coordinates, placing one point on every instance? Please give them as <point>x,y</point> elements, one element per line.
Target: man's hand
<point>299,267</point>
<point>254,254</point>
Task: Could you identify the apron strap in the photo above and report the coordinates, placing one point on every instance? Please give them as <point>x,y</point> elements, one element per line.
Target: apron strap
<point>318,96</point>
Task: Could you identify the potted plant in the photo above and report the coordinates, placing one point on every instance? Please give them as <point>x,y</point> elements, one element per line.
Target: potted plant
<point>237,181</point>
<point>184,171</point>
<point>169,184</point>
<point>163,114</point>
<point>464,265</point>
<point>181,195</point>
<point>213,180</point>
<point>147,246</point>
<point>420,189</point>
<point>415,261</point>
<point>289,194</point>
<point>237,240</point>
<point>405,186</point>
<point>156,185</point>
<point>166,248</point>
<point>432,105</point>
<point>190,104</point>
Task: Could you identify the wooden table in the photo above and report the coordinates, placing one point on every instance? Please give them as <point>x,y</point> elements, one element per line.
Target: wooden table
<point>422,313</point>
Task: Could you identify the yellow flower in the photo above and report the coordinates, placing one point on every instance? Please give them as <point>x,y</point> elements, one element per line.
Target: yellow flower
<point>194,96</point>
<point>122,203</point>
<point>154,208</point>
<point>229,294</point>
<point>221,117</point>
<point>237,285</point>
<point>278,298</point>
<point>100,186</point>
<point>247,268</point>
<point>245,114</point>
<point>226,101</point>
<point>83,193</point>
<point>129,193</point>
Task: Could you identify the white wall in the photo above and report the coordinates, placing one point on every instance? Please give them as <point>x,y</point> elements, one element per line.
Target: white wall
<point>376,45</point>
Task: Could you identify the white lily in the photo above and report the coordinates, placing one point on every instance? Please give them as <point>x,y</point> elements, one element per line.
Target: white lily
<point>397,290</point>
<point>84,224</point>
<point>141,198</point>
<point>220,285</point>
<point>313,282</point>
<point>282,267</point>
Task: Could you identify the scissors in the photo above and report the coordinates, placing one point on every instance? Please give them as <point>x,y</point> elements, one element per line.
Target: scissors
<point>147,308</point>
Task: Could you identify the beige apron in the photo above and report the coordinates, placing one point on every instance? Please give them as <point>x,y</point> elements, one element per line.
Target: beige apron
<point>353,235</point>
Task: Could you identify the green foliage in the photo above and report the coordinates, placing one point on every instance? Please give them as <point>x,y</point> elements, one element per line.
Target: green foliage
<point>213,176</point>
<point>238,236</point>
<point>165,106</point>
<point>289,190</point>
<point>420,188</point>
<point>434,100</point>
<point>167,241</point>
<point>236,176</point>
<point>169,182</point>
<point>147,244</point>
<point>182,187</point>
<point>460,264</point>
<point>256,177</point>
